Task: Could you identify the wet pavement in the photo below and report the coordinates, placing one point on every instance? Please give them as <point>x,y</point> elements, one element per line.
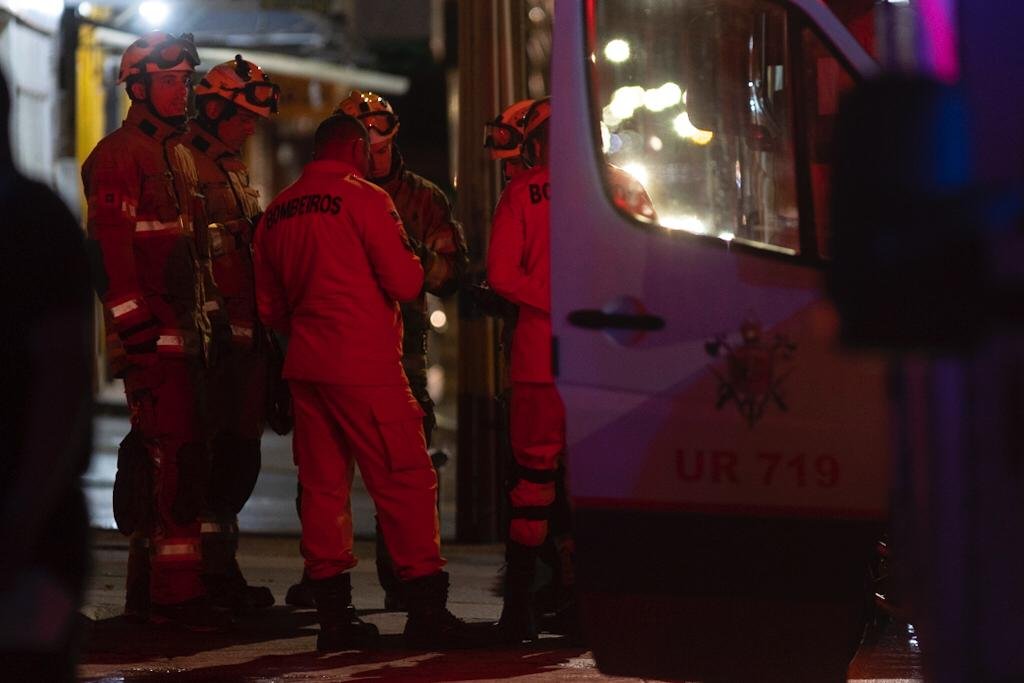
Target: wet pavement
<point>279,644</point>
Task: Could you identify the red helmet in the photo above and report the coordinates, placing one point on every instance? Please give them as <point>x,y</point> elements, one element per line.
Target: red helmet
<point>158,51</point>
<point>373,111</point>
<point>504,135</point>
<point>242,83</point>
<point>536,116</point>
<point>533,121</point>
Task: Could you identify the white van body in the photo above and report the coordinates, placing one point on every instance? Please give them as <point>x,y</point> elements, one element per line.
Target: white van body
<point>689,423</point>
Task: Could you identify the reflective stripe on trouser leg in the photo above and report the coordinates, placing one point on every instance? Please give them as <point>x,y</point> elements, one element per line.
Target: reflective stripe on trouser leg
<point>537,431</point>
<point>166,418</point>
<point>219,545</point>
<point>325,474</point>
<point>384,428</point>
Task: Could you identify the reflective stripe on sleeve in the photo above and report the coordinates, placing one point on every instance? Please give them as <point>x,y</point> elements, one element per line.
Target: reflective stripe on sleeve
<point>241,331</point>
<point>170,343</point>
<point>157,226</point>
<point>123,309</point>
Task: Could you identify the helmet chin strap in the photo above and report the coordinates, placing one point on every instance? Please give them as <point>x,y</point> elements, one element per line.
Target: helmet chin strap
<point>212,124</point>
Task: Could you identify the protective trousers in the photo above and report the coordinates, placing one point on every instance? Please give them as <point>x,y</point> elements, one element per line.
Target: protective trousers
<point>385,567</point>
<point>537,431</point>
<point>381,430</point>
<point>237,391</point>
<point>162,398</point>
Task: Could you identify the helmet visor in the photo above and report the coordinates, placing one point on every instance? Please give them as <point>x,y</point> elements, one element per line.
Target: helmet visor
<point>501,136</point>
<point>381,122</point>
<point>171,53</point>
<point>262,94</point>
<point>258,94</point>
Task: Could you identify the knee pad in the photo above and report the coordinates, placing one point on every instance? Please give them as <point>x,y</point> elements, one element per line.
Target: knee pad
<point>133,486</point>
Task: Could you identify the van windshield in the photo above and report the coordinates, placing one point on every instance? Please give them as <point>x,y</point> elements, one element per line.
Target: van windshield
<point>694,100</point>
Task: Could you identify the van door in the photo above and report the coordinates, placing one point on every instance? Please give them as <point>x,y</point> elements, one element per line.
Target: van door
<point>727,462</point>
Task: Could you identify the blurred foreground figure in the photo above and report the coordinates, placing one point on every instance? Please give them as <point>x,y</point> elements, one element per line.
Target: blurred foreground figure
<point>165,327</point>
<point>45,420</point>
<point>230,100</point>
<point>332,262</point>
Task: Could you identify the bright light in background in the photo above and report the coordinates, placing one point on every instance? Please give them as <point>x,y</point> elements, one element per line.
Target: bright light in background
<point>606,138</point>
<point>638,171</point>
<point>687,223</point>
<point>727,236</point>
<point>655,143</point>
<point>626,100</point>
<point>85,9</point>
<point>154,12</point>
<point>616,50</point>
<point>609,118</point>
<point>684,129</point>
<point>51,8</point>
<point>660,99</point>
<point>438,319</point>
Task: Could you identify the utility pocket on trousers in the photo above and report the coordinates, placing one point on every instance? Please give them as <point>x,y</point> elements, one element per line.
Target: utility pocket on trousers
<point>400,424</point>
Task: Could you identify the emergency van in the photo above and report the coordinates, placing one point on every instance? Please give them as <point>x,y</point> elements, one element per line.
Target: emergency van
<point>728,461</point>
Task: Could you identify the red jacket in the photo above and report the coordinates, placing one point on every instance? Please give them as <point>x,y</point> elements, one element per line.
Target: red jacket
<point>519,269</point>
<point>140,184</point>
<point>332,262</point>
<point>232,206</point>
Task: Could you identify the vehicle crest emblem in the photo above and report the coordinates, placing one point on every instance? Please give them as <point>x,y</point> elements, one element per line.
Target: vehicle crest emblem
<point>755,368</point>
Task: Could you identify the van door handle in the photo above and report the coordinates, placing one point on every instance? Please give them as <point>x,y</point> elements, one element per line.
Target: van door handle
<point>594,319</point>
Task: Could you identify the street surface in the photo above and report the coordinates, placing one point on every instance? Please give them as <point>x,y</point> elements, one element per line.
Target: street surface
<point>279,644</point>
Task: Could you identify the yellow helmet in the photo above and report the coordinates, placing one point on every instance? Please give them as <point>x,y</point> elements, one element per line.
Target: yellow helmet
<point>373,111</point>
<point>504,135</point>
<point>243,83</point>
<point>158,51</point>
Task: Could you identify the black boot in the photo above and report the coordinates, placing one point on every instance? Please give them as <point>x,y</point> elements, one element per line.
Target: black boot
<point>301,593</point>
<point>430,625</point>
<point>136,600</point>
<point>340,628</point>
<point>517,622</point>
<point>234,593</point>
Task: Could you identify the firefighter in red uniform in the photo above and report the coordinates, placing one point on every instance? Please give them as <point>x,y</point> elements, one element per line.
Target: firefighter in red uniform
<point>504,136</point>
<point>438,240</point>
<point>332,263</point>
<point>230,99</point>
<point>162,318</point>
<point>518,268</point>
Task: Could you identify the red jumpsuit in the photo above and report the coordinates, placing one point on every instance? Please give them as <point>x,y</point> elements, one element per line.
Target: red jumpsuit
<point>519,269</point>
<point>236,386</point>
<point>332,261</point>
<point>139,182</point>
